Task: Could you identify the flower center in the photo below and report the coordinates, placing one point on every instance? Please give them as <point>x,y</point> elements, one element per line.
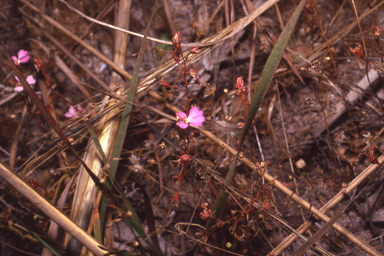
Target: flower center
<point>186,120</point>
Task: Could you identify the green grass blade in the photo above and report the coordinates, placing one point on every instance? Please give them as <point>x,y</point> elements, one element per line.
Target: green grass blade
<point>270,69</point>
<point>222,197</point>
<point>121,133</point>
<point>265,79</point>
<point>97,142</point>
<point>127,109</point>
<point>135,223</point>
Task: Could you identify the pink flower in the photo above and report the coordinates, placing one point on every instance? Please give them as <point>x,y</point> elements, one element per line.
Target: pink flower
<point>195,118</point>
<point>72,112</point>
<point>23,57</point>
<point>30,81</point>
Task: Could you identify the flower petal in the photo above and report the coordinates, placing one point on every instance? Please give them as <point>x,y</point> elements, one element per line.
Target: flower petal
<point>30,80</point>
<point>182,124</point>
<point>18,88</point>
<point>197,121</point>
<point>25,59</point>
<point>68,115</point>
<point>15,60</point>
<point>194,112</point>
<point>181,114</point>
<point>71,112</point>
<point>21,54</point>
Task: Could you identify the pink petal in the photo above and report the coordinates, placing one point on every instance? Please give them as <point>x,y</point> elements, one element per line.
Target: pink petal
<point>197,121</point>
<point>71,112</point>
<point>25,59</point>
<point>17,79</point>
<point>194,112</point>
<point>181,114</point>
<point>21,54</point>
<point>68,115</point>
<point>15,60</point>
<point>182,124</point>
<point>31,80</point>
<point>18,88</point>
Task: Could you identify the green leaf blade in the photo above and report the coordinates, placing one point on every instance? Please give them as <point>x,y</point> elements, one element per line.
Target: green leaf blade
<point>265,79</point>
